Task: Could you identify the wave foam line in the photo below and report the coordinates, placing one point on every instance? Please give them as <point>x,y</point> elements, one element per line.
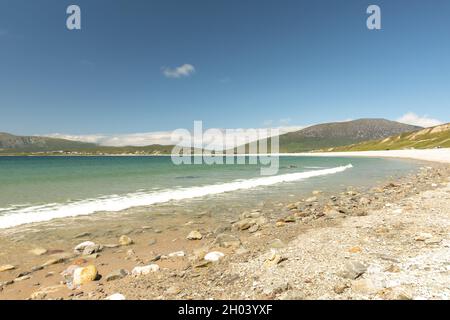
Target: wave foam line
<point>118,203</point>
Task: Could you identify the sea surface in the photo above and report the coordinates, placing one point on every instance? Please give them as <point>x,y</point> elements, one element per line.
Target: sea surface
<point>36,189</point>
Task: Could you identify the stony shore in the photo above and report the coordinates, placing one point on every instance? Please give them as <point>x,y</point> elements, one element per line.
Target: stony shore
<point>389,242</point>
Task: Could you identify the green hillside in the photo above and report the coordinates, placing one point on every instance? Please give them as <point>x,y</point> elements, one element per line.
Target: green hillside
<point>436,137</point>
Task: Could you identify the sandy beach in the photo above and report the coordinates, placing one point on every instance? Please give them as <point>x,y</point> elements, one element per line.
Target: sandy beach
<point>389,242</point>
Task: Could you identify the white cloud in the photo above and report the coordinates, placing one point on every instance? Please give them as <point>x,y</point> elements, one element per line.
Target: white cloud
<point>422,121</point>
<point>183,71</point>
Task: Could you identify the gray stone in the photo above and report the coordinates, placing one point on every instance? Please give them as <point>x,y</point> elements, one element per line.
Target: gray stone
<point>353,270</point>
<point>115,275</point>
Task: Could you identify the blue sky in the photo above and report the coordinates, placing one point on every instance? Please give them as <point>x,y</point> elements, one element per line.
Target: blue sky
<point>244,64</point>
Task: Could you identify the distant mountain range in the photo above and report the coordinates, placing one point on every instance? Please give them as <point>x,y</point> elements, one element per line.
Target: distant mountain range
<point>318,137</point>
<point>435,137</point>
<point>329,135</point>
<point>11,144</point>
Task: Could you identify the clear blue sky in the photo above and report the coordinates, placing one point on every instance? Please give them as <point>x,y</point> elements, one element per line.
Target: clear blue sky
<point>255,61</point>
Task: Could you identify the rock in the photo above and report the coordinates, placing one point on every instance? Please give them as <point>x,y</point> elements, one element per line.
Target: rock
<point>23,278</point>
<point>156,258</point>
<point>152,242</point>
<point>355,250</point>
<point>340,288</point>
<point>273,260</point>
<point>42,293</point>
<point>214,256</point>
<point>68,273</point>
<point>363,286</point>
<point>82,235</point>
<point>84,275</point>
<point>316,192</point>
<point>88,250</point>
<point>393,268</point>
<point>433,240</point>
<point>115,275</point>
<point>7,267</point>
<point>311,199</point>
<point>38,251</point>
<point>36,268</point>
<point>125,240</point>
<point>173,290</point>
<point>202,264</point>
<point>194,235</point>
<point>116,296</point>
<point>241,251</point>
<point>364,201</point>
<point>251,215</point>
<point>243,224</point>
<point>280,224</point>
<point>423,236</point>
<point>253,228</point>
<point>137,271</point>
<point>176,254</point>
<point>353,270</point>
<point>289,219</point>
<point>292,206</point>
<point>247,223</point>
<point>227,241</point>
<point>80,248</point>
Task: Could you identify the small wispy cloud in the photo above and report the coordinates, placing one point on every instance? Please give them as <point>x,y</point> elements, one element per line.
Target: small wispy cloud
<point>421,121</point>
<point>185,70</point>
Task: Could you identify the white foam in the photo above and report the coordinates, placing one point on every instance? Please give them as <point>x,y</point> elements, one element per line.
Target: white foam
<point>117,203</point>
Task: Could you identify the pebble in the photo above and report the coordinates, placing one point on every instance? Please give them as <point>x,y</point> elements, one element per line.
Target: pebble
<point>116,296</point>
<point>225,240</point>
<point>176,254</point>
<point>125,240</point>
<point>80,247</point>
<point>84,275</point>
<point>194,235</point>
<point>38,251</point>
<point>116,275</point>
<point>7,267</point>
<point>137,271</point>
<point>353,269</point>
<point>214,256</point>
<point>273,260</point>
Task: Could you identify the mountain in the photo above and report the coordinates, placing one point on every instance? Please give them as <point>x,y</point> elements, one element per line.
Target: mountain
<point>329,135</point>
<point>12,143</point>
<point>31,145</point>
<point>435,137</point>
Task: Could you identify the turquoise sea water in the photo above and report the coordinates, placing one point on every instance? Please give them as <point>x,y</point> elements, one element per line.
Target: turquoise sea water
<point>41,188</point>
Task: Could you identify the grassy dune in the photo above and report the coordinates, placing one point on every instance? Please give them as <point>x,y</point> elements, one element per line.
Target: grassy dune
<point>435,137</point>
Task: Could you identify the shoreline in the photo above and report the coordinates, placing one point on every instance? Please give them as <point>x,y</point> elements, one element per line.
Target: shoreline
<point>180,276</point>
<point>441,155</point>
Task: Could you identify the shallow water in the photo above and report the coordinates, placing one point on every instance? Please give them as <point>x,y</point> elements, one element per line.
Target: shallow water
<point>34,189</point>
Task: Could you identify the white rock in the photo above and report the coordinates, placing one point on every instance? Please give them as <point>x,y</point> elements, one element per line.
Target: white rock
<point>177,254</point>
<point>214,256</point>
<point>116,296</point>
<point>137,271</point>
<point>79,248</point>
